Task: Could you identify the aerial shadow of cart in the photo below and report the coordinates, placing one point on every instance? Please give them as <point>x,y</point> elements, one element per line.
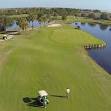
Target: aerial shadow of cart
<point>40,101</point>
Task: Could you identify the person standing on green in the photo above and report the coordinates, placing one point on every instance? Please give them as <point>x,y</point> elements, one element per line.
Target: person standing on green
<point>67,92</point>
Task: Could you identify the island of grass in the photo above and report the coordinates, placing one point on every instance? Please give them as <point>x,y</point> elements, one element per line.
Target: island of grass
<point>52,59</point>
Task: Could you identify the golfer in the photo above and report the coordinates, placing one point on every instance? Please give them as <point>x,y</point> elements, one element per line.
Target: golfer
<point>67,92</point>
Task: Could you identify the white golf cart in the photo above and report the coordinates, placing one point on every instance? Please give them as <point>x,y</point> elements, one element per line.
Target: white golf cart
<point>43,98</point>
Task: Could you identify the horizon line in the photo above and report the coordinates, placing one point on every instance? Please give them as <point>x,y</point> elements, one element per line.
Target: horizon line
<point>55,7</point>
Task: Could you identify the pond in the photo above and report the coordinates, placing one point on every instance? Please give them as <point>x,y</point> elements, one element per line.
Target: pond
<point>101,56</point>
<point>35,23</point>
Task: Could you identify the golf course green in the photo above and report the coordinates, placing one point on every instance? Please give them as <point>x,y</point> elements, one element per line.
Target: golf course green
<point>52,59</point>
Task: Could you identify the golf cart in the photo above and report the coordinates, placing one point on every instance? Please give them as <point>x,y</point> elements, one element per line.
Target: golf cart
<point>43,98</point>
<point>5,37</point>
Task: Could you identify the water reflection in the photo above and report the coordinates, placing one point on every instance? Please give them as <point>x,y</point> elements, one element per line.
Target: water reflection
<point>82,23</point>
<point>92,24</point>
<point>15,24</point>
<point>101,56</point>
<point>109,28</point>
<point>103,27</point>
<point>34,23</point>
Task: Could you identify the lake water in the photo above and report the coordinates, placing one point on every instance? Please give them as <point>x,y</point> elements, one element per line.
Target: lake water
<point>101,56</point>
<point>35,23</point>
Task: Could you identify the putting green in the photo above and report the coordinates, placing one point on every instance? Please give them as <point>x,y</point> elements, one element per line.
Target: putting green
<point>52,59</point>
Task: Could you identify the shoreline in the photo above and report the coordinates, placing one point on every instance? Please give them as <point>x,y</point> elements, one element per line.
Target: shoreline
<point>87,20</point>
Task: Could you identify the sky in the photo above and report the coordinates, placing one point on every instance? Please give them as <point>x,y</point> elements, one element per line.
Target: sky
<point>82,4</point>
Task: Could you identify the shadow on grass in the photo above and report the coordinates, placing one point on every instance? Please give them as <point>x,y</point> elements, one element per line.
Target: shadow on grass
<point>58,96</point>
<point>34,102</point>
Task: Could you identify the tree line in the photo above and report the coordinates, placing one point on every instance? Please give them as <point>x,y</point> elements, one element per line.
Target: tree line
<point>24,15</point>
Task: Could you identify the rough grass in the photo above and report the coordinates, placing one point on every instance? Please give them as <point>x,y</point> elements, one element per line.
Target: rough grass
<point>52,59</point>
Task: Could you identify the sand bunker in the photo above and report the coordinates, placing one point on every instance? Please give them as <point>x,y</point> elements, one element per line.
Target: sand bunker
<point>55,25</point>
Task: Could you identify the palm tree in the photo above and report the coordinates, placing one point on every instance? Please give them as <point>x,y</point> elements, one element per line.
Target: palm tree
<point>31,18</point>
<point>5,21</point>
<point>23,23</point>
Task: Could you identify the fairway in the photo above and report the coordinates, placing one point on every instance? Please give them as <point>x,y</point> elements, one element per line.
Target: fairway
<point>52,59</point>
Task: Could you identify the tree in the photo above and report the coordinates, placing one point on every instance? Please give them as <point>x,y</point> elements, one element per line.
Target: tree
<point>64,17</point>
<point>31,18</point>
<point>44,18</point>
<point>105,16</point>
<point>4,21</point>
<point>23,23</point>
<point>2,28</point>
<point>84,15</point>
<point>39,17</point>
<point>92,15</point>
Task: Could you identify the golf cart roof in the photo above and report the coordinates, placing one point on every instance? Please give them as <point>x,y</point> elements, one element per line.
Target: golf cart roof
<point>43,93</point>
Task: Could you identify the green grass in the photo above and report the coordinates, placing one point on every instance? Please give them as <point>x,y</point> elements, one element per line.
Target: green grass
<point>52,59</point>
